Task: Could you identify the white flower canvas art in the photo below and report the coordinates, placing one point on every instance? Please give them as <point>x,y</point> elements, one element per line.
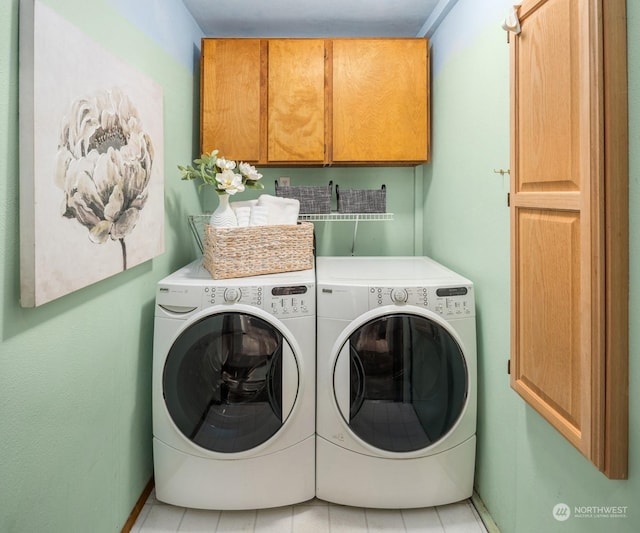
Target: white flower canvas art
<point>91,160</point>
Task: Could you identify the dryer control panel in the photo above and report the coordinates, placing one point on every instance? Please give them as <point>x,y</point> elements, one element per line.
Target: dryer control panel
<point>284,301</point>
<point>445,301</point>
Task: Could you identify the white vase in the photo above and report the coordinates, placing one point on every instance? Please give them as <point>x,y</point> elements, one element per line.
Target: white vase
<point>223,216</point>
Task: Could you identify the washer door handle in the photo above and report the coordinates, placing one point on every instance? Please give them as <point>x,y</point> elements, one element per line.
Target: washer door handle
<point>341,381</point>
<point>290,380</point>
<point>358,374</point>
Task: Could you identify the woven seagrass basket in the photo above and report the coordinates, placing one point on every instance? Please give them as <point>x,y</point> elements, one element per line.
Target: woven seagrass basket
<point>256,250</point>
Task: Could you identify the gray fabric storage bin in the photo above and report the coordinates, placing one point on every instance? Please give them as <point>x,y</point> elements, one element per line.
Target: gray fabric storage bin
<point>362,200</point>
<point>313,200</point>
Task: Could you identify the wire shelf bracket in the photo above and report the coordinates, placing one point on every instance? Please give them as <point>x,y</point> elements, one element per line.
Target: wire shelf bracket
<point>347,217</point>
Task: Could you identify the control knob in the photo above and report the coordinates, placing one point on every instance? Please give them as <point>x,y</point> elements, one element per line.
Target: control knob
<point>232,295</point>
<point>399,296</point>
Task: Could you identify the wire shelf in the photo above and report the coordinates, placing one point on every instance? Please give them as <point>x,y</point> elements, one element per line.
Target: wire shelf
<point>197,222</point>
<point>347,217</point>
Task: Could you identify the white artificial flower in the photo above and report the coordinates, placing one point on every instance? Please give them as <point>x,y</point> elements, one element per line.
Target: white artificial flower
<point>225,164</point>
<point>249,172</point>
<point>229,181</point>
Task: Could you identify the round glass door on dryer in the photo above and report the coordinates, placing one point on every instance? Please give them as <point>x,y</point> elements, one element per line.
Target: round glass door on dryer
<point>401,382</point>
<point>407,382</point>
<point>230,381</point>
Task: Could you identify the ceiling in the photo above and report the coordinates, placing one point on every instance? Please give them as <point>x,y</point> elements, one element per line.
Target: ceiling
<point>318,18</point>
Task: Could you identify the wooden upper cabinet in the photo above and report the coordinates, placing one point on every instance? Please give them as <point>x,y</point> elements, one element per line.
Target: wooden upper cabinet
<point>296,108</point>
<point>316,101</point>
<point>569,222</point>
<point>231,102</point>
<point>380,100</point>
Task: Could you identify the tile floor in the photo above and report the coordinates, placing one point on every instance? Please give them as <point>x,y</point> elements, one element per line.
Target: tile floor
<point>314,516</point>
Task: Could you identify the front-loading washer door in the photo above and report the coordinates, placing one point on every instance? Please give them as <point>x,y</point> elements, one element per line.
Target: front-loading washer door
<point>401,382</point>
<point>227,382</point>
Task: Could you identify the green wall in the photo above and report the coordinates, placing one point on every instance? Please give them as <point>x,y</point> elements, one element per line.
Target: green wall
<point>75,374</point>
<point>524,467</point>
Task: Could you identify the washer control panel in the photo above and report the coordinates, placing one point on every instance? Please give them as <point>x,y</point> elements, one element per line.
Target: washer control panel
<point>445,301</point>
<point>284,301</point>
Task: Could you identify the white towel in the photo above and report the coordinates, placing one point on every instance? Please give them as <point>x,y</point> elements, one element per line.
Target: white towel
<point>242,209</point>
<point>259,216</point>
<point>243,214</point>
<point>243,203</point>
<point>281,210</point>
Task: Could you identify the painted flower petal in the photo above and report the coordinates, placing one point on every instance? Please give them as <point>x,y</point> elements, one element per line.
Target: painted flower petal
<point>77,208</point>
<point>115,204</point>
<point>100,232</point>
<point>125,224</point>
<point>106,175</point>
<point>63,160</point>
<point>86,188</point>
<point>139,201</point>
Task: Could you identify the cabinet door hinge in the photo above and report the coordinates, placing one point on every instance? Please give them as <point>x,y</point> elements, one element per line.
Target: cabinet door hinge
<point>508,199</point>
<point>508,366</point>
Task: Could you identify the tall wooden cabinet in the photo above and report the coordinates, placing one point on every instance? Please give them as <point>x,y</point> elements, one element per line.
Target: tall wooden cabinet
<point>569,222</point>
<point>316,101</point>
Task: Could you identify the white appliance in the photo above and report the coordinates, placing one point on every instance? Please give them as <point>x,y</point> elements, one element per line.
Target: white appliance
<point>234,390</point>
<point>396,382</point>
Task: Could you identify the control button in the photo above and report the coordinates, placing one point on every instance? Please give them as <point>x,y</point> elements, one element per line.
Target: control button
<point>372,290</point>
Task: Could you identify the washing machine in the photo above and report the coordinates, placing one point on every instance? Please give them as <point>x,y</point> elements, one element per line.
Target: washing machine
<point>396,382</point>
<point>234,389</point>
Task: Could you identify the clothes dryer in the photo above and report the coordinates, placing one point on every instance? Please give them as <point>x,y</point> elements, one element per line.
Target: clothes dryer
<point>396,382</point>
<point>234,390</point>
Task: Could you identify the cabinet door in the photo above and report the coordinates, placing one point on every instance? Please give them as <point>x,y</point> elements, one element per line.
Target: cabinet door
<point>230,113</point>
<point>380,100</point>
<point>296,123</point>
<point>569,329</point>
